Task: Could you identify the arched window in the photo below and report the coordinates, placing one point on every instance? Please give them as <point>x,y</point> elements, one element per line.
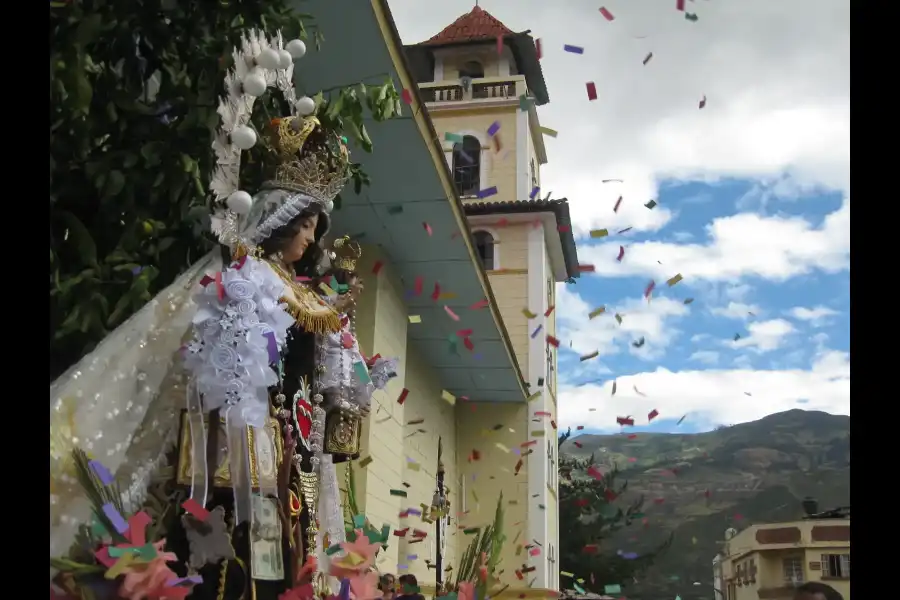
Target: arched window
<point>473,69</point>
<point>467,166</point>
<point>484,245</point>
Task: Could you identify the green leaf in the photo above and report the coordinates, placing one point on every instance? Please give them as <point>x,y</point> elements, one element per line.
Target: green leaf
<point>114,184</point>
<point>80,238</point>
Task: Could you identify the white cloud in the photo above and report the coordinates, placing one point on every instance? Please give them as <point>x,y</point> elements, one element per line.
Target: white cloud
<point>709,357</point>
<point>765,336</point>
<point>711,397</point>
<point>775,248</point>
<point>738,310</point>
<point>816,316</point>
<point>640,319</point>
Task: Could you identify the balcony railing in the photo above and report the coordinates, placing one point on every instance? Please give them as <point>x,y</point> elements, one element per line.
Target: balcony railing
<point>486,89</point>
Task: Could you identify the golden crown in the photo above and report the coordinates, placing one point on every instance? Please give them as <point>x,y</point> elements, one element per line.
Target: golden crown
<point>346,253</point>
<point>311,160</point>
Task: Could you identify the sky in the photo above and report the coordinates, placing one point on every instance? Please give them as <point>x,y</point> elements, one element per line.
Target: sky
<point>753,194</point>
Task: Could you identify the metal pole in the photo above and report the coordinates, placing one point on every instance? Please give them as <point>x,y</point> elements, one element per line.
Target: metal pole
<point>438,558</point>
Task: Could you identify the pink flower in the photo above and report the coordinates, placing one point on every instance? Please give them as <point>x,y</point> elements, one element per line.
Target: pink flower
<point>365,587</point>
<point>302,592</point>
<point>466,591</point>
<point>359,557</point>
<point>143,580</point>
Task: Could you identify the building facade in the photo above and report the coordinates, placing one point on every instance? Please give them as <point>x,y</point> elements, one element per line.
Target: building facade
<point>481,83</point>
<point>769,561</point>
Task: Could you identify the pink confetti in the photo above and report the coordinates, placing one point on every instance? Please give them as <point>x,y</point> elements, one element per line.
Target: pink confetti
<point>621,253</point>
<point>450,313</point>
<point>538,49</point>
<point>407,96</point>
<point>649,289</point>
<point>591,90</point>
<point>427,227</point>
<point>653,414</point>
<point>418,286</point>
<point>464,333</point>
<point>608,15</point>
<point>479,304</point>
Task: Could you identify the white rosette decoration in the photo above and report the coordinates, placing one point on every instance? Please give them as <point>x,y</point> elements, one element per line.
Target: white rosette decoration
<point>239,331</point>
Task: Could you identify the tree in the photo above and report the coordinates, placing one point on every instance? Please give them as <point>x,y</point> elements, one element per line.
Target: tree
<point>589,512</point>
<point>134,87</point>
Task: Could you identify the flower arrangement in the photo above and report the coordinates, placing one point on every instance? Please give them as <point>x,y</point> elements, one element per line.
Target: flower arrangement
<point>118,555</point>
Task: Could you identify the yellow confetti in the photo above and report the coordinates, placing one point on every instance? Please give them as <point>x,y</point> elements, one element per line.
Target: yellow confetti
<point>674,280</point>
<point>117,569</point>
<point>327,289</point>
<point>475,496</point>
<point>502,447</point>
<point>450,398</point>
<point>513,502</point>
<point>538,433</point>
<point>596,312</point>
<point>566,574</point>
<point>528,314</point>
<point>551,132</point>
<point>447,296</point>
<point>414,466</point>
<point>599,233</point>
<point>694,541</point>
<point>366,462</point>
<point>415,319</point>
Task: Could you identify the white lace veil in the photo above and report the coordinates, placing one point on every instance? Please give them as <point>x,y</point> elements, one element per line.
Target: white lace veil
<point>121,402</point>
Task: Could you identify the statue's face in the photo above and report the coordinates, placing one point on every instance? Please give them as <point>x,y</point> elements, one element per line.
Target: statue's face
<point>305,236</point>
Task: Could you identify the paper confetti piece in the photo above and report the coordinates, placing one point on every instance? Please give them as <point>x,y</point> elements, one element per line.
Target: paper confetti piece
<point>627,229</point>
<point>553,341</point>
<point>615,386</point>
<point>453,137</point>
<point>487,193</point>
<point>502,447</point>
<point>573,49</point>
<point>647,58</point>
<point>653,414</point>
<point>621,253</point>
<point>586,268</point>
<point>402,398</point>
<point>593,354</point>
<point>327,289</point>
<point>427,227</point>
<point>637,391</point>
<point>528,314</point>
<point>680,420</point>
<point>538,49</point>
<point>737,336</point>
<point>679,5</point>
<point>619,318</point>
<point>638,343</point>
<point>703,102</point>
<point>617,205</point>
<point>535,333</point>
<point>194,508</point>
<point>606,14</point>
<point>415,319</point>
<point>407,96</point>
<point>394,210</point>
<point>674,280</point>
<point>376,268</point>
<point>596,312</point>
<point>549,132</point>
<point>120,566</point>
<point>525,103</point>
<point>651,205</point>
<point>450,313</point>
<point>649,289</point>
<point>102,473</point>
<point>534,192</point>
<point>417,286</point>
<point>479,304</point>
<point>365,462</point>
<point>494,128</point>
<point>400,493</point>
<point>688,300</point>
<point>599,233</point>
<point>591,88</point>
<point>450,398</point>
<point>115,518</point>
<point>549,311</point>
<point>691,17</point>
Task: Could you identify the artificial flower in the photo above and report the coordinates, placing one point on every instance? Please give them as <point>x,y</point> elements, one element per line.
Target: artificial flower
<point>301,592</point>
<point>365,587</point>
<point>466,591</point>
<point>359,557</point>
<point>148,579</point>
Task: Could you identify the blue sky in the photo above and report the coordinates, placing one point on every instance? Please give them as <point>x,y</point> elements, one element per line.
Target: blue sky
<point>753,192</point>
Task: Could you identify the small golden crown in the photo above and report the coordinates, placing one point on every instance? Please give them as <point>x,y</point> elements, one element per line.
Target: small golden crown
<point>346,253</point>
<point>311,159</point>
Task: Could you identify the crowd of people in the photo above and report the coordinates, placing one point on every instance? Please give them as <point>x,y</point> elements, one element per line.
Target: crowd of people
<point>406,588</point>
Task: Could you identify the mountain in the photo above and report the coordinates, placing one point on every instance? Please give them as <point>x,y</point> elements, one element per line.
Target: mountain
<point>698,485</point>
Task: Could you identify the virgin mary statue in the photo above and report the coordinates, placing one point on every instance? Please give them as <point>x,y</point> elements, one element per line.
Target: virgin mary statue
<point>225,364</point>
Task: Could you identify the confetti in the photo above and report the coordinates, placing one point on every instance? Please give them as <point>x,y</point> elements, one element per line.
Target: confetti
<point>573,49</point>
<point>417,286</point>
<point>679,5</point>
<point>647,58</point>
<point>627,229</point>
<point>586,268</point>
<point>365,462</point>
<point>525,103</point>
<point>400,493</point>
<point>450,313</point>
<point>591,90</point>
<point>680,420</point>
<point>637,391</point>
<point>376,268</point>
<point>450,398</point>
<point>593,354</point>
<point>606,14</point>
<point>691,17</point>
<point>596,312</point>
<point>427,227</point>
<point>549,311</point>
<point>535,333</point>
<point>553,341</point>
<point>453,137</point>
<point>688,300</point>
<point>487,193</point>
<point>703,102</point>
<point>502,447</point>
<point>415,319</point>
<point>549,132</point>
<point>537,48</point>
<point>653,414</point>
<point>651,204</point>
<point>479,304</point>
<point>534,192</point>
<point>619,318</point>
<point>402,397</point>
<point>621,253</point>
<point>615,385</point>
<point>638,343</point>
<point>394,210</point>
<point>407,96</point>
<point>625,421</point>
<point>737,336</point>
<point>649,289</point>
<point>617,205</point>
<point>528,314</point>
<point>599,233</point>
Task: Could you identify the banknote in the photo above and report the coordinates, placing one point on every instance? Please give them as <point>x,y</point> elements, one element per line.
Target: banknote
<point>266,559</point>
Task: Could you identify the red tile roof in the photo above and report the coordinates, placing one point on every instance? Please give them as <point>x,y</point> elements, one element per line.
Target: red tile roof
<point>477,25</point>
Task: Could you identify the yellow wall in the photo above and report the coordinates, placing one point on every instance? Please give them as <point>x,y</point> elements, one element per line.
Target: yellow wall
<point>501,166</point>
<point>424,402</point>
<point>493,473</point>
<point>511,292</point>
<point>487,56</point>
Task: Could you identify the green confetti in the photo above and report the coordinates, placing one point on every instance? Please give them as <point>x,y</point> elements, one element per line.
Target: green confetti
<point>525,102</point>
<point>395,210</point>
<point>651,205</point>
<point>333,549</point>
<point>619,318</point>
<point>612,588</point>
<point>691,17</point>
<point>453,137</point>
<point>578,588</point>
<point>401,493</point>
<point>359,521</point>
<point>471,530</point>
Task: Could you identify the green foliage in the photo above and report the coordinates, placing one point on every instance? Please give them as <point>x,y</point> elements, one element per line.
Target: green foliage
<point>589,513</point>
<point>134,87</point>
<point>487,542</point>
